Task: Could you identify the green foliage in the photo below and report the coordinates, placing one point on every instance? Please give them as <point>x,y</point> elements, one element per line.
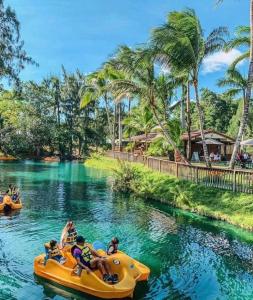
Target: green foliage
<point>124,176</point>
<point>234,208</point>
<point>218,110</point>
<point>13,57</point>
<point>46,119</point>
<point>235,122</point>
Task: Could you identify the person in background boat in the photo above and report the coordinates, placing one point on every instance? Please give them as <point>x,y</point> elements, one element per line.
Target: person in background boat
<point>53,252</point>
<point>113,246</point>
<point>15,195</point>
<point>69,234</point>
<point>88,259</point>
<point>10,190</point>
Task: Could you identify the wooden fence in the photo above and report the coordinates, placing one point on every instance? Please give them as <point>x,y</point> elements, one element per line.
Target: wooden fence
<point>232,180</point>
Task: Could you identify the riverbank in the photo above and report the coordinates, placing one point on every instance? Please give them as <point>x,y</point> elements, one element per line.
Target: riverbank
<point>235,208</point>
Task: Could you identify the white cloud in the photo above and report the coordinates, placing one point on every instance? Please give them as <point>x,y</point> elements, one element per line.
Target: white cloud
<point>219,60</point>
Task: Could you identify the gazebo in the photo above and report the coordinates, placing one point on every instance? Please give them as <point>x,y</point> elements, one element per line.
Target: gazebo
<point>217,142</point>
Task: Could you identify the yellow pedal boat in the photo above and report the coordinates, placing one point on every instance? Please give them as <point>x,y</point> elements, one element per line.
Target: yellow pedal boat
<point>129,271</point>
<point>9,204</point>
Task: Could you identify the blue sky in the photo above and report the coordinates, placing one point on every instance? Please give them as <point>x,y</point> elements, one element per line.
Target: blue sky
<point>83,33</point>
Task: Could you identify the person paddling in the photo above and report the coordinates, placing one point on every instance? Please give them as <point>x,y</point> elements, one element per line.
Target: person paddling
<point>89,260</point>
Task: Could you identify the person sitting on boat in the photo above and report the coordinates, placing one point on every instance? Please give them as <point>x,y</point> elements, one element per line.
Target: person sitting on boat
<point>69,234</point>
<point>53,252</point>
<point>10,190</point>
<point>113,246</point>
<point>15,195</point>
<point>89,260</point>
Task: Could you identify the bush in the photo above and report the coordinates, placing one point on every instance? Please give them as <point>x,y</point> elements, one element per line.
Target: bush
<point>124,176</point>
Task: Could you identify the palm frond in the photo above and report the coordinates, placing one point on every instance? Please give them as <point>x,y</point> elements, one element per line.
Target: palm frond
<point>239,59</point>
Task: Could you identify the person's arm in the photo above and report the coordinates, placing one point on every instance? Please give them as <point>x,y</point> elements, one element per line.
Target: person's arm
<point>110,250</point>
<point>49,253</point>
<point>95,253</point>
<point>82,265</point>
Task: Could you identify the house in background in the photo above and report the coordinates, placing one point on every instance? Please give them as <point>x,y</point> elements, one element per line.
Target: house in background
<point>217,142</point>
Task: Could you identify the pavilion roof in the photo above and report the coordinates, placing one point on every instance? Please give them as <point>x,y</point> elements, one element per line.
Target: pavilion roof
<point>209,134</point>
<point>144,138</point>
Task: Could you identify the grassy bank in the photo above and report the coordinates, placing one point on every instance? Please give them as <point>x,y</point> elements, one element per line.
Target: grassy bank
<point>235,208</point>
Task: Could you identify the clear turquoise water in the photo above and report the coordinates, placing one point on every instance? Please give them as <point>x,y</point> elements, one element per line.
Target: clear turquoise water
<point>190,257</point>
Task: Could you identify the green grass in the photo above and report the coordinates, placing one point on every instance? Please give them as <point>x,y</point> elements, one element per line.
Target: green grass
<point>235,208</point>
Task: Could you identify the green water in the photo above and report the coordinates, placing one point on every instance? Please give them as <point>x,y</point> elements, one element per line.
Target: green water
<point>190,257</point>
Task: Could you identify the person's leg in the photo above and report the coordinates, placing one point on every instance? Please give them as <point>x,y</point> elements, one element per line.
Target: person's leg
<point>57,258</point>
<point>107,266</point>
<point>96,264</point>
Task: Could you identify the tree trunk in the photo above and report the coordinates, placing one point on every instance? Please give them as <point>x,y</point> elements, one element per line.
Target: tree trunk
<point>114,126</point>
<point>167,136</point>
<point>182,106</point>
<point>188,121</point>
<point>201,124</point>
<point>245,114</point>
<point>120,127</point>
<point>146,142</point>
<point>110,125</point>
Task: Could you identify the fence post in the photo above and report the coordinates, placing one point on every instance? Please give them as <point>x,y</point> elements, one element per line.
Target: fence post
<point>197,175</point>
<point>234,181</point>
<point>160,165</point>
<point>176,169</point>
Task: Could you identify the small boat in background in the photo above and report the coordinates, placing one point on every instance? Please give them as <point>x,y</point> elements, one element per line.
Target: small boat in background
<point>8,204</point>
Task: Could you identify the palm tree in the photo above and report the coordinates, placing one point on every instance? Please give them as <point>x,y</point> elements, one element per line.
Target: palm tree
<point>140,121</point>
<point>140,82</point>
<point>96,89</point>
<point>245,114</point>
<point>241,39</point>
<point>180,45</point>
<point>236,82</point>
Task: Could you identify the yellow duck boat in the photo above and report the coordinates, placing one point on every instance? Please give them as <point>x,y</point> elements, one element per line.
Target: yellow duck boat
<point>129,271</point>
<point>9,204</point>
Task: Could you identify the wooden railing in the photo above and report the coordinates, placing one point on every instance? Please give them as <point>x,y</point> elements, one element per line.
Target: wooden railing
<point>232,180</point>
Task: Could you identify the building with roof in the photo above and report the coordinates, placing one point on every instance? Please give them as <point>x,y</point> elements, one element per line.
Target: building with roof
<point>217,143</point>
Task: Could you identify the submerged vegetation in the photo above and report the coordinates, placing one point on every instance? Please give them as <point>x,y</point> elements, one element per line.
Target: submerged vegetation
<point>234,208</point>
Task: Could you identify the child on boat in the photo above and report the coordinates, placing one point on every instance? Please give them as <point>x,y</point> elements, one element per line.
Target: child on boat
<point>113,246</point>
<point>69,234</point>
<point>53,252</point>
<point>89,260</point>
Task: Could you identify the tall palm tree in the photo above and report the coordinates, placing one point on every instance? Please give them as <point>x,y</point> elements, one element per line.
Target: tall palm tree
<point>245,114</point>
<point>96,89</point>
<point>141,82</point>
<point>180,44</point>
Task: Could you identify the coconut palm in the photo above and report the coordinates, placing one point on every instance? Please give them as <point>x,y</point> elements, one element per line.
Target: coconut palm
<point>236,83</point>
<point>141,82</point>
<point>241,39</point>
<point>180,44</point>
<point>97,89</point>
<point>140,121</point>
<point>245,114</point>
